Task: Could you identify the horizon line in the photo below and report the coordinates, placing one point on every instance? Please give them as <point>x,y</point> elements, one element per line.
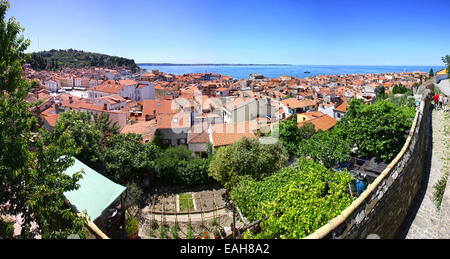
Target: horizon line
<point>274,64</point>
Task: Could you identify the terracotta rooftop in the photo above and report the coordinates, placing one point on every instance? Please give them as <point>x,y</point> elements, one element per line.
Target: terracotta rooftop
<point>342,107</point>
<point>235,103</point>
<point>52,118</point>
<point>173,120</point>
<point>109,86</point>
<point>146,129</point>
<point>160,106</point>
<point>294,103</point>
<point>113,99</point>
<point>227,134</point>
<point>321,123</point>
<point>198,134</point>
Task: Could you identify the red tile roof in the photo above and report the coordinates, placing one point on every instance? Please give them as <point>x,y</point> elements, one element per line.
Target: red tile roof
<point>294,103</point>
<point>321,123</point>
<point>160,106</point>
<point>342,107</point>
<point>51,119</point>
<point>173,120</point>
<point>146,129</point>
<point>227,134</point>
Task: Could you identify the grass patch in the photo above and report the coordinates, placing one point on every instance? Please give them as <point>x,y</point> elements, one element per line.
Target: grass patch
<point>186,203</point>
<point>190,233</point>
<point>174,231</point>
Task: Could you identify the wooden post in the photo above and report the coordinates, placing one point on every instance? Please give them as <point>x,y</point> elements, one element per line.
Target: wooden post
<point>176,213</point>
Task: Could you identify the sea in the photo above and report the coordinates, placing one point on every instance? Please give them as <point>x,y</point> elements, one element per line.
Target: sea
<point>275,71</point>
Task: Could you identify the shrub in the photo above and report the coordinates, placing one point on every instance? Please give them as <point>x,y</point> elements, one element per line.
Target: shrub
<point>134,194</point>
<point>378,130</point>
<point>439,189</point>
<point>127,158</point>
<point>174,231</point>
<point>190,233</point>
<point>163,232</point>
<point>178,165</point>
<point>247,157</point>
<point>294,202</point>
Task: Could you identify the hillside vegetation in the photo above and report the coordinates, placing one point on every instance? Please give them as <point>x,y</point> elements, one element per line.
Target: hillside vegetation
<point>57,59</point>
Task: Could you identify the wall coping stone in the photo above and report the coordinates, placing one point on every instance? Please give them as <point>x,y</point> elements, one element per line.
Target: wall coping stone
<point>325,230</point>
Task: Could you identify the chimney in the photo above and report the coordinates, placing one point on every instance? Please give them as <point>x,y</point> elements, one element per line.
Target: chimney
<point>105,107</point>
<point>70,99</point>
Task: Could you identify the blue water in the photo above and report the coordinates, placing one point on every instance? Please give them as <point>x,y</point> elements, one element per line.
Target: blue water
<point>243,72</point>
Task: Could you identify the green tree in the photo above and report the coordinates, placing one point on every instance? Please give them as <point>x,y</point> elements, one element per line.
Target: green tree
<point>53,59</point>
<point>31,164</point>
<point>446,60</point>
<point>377,130</point>
<point>90,134</point>
<point>134,195</point>
<point>157,139</point>
<point>291,135</point>
<point>327,147</point>
<point>103,123</point>
<point>87,134</point>
<point>179,166</point>
<point>399,89</point>
<point>381,94</point>
<point>247,157</point>
<point>431,73</point>
<point>37,62</point>
<point>354,106</point>
<point>168,161</point>
<point>194,172</point>
<point>126,158</point>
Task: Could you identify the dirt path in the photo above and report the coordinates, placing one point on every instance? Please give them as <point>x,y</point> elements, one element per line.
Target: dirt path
<point>422,222</point>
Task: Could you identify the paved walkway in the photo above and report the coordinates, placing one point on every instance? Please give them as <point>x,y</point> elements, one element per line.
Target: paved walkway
<point>444,86</point>
<point>422,221</point>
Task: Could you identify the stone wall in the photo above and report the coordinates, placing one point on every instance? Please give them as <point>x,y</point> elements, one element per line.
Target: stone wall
<point>381,209</point>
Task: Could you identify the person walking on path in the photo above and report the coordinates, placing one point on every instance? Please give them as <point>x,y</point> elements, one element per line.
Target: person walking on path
<point>436,101</point>
<point>441,97</point>
<point>445,102</point>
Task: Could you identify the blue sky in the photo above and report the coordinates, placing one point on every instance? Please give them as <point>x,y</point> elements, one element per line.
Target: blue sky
<point>245,31</point>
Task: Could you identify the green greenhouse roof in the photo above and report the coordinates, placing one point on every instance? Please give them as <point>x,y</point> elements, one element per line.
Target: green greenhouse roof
<point>96,192</point>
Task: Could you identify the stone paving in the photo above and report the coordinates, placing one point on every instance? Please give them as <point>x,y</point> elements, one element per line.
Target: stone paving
<point>425,223</point>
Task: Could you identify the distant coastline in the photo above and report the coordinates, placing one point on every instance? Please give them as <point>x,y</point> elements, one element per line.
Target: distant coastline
<point>243,71</point>
<point>220,65</point>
